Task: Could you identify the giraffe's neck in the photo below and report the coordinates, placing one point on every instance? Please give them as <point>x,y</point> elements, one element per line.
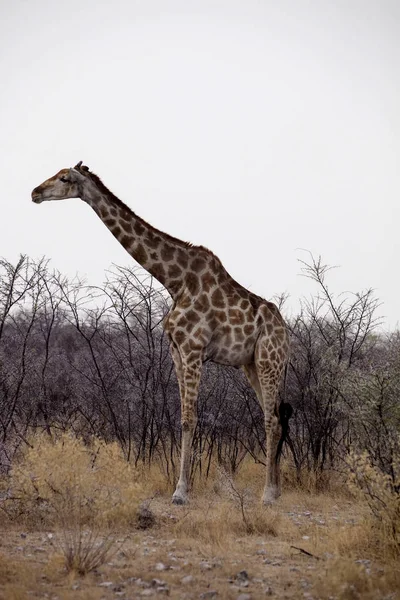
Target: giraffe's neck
<point>163,256</point>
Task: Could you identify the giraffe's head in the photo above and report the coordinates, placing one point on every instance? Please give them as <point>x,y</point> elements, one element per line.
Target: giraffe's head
<point>67,183</point>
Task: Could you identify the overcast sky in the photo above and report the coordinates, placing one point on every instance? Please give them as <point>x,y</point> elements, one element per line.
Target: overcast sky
<point>253,128</point>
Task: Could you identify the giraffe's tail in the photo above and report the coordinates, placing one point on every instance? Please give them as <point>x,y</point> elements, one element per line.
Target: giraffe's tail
<point>285,412</point>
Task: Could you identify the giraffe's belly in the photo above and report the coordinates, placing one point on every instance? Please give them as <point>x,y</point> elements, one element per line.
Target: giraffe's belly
<point>226,352</point>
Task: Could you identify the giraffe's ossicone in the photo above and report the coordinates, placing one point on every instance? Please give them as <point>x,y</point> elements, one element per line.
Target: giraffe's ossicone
<point>212,317</point>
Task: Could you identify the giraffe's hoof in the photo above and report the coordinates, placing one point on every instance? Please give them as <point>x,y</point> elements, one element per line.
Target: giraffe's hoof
<point>179,500</point>
<point>268,501</point>
<point>270,496</point>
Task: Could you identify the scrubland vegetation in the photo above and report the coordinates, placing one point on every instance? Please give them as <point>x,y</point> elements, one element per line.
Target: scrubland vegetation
<point>89,451</point>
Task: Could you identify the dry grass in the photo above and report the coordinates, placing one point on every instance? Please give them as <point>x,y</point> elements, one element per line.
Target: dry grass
<point>217,523</point>
<point>85,492</point>
<point>324,544</point>
<point>344,580</point>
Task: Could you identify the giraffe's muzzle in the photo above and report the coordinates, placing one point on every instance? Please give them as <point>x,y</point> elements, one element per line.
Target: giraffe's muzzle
<point>36,196</point>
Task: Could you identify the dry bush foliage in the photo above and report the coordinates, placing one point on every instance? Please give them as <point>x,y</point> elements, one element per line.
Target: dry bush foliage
<point>61,480</point>
<point>381,491</point>
<point>83,491</point>
<point>346,580</point>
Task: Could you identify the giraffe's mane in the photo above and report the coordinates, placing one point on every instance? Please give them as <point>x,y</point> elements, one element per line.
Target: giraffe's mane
<point>103,189</point>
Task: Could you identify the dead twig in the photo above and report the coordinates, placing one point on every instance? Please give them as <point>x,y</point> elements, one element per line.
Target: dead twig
<point>306,552</point>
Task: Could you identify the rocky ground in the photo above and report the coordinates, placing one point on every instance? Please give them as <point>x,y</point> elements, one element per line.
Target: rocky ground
<point>311,551</point>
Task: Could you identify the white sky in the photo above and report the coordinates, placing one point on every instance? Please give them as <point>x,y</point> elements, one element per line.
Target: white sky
<point>253,128</point>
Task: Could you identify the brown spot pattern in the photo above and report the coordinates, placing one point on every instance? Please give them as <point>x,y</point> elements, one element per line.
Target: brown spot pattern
<point>192,282</point>
<point>140,254</point>
<point>182,258</point>
<point>202,303</point>
<point>198,264</point>
<point>174,271</point>
<point>191,316</point>
<point>236,316</point>
<point>139,228</point>
<point>217,299</point>
<point>153,240</point>
<point>126,226</point>
<point>221,316</point>
<point>248,329</point>
<point>158,271</point>
<point>179,337</point>
<point>167,252</point>
<point>208,281</point>
<point>126,241</point>
<point>239,335</point>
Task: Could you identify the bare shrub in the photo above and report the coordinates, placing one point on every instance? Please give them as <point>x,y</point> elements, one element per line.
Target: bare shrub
<point>256,519</point>
<point>85,549</point>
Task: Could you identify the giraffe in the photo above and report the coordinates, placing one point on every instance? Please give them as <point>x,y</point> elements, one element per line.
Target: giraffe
<point>212,316</point>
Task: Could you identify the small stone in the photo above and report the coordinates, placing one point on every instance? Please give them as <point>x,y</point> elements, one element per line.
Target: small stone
<point>157,582</point>
<point>163,590</point>
<point>147,592</point>
<point>160,567</point>
<point>205,566</point>
<point>187,580</point>
<point>23,535</point>
<point>242,576</point>
<point>106,584</point>
<point>210,594</point>
<point>268,591</point>
<point>362,561</point>
<point>244,597</point>
<point>261,552</point>
<point>305,537</point>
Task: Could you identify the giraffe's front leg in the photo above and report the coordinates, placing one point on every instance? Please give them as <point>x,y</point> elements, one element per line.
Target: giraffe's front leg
<point>189,386</point>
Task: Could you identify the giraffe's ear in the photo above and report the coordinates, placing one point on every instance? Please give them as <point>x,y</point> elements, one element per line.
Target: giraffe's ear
<point>81,167</point>
<point>74,175</point>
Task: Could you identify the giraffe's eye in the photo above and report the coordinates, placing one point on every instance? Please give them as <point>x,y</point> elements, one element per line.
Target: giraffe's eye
<point>64,179</point>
